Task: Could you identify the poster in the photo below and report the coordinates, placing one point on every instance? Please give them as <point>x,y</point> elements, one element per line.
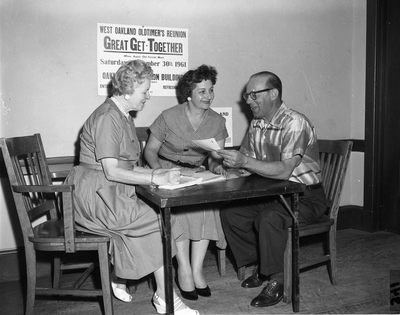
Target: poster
<point>164,49</point>
<point>226,112</point>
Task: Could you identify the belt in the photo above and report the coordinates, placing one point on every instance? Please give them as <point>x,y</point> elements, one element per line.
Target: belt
<point>91,166</point>
<point>314,187</point>
<point>126,165</point>
<point>183,164</point>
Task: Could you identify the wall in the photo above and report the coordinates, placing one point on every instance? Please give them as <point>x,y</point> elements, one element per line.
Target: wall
<point>48,65</point>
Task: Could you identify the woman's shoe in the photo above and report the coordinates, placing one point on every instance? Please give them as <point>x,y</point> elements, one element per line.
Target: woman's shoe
<point>204,292</point>
<point>161,307</point>
<point>120,293</point>
<point>188,295</point>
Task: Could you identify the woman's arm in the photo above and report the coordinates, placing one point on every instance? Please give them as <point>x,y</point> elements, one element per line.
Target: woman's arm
<point>141,176</point>
<point>151,151</point>
<point>215,160</point>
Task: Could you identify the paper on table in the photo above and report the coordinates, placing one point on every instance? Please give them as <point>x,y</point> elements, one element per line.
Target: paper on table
<point>207,144</point>
<point>209,177</point>
<point>185,181</point>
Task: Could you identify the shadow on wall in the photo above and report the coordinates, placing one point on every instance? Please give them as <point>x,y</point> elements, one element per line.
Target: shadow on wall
<point>244,107</point>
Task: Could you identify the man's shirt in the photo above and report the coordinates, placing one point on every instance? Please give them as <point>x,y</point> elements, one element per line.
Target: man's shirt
<point>289,133</point>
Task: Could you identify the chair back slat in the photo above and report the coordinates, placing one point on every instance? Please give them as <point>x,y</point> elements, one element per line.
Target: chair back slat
<point>41,209</point>
<point>334,159</point>
<point>142,134</point>
<point>26,164</point>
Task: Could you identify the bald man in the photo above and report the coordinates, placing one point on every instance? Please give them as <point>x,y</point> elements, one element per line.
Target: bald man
<point>280,143</point>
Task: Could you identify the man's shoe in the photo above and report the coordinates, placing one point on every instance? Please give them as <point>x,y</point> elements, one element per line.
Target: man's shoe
<point>270,295</point>
<point>254,280</point>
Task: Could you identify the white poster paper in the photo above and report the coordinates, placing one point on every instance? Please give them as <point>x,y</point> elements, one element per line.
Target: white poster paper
<point>226,112</point>
<point>164,49</point>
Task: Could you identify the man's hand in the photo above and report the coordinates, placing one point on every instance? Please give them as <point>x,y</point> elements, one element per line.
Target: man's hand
<point>233,158</point>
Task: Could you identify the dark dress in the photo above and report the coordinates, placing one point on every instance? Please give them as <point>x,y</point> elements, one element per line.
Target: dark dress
<point>110,208</point>
<point>176,133</point>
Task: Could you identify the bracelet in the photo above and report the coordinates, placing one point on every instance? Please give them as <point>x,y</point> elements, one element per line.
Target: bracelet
<point>151,179</point>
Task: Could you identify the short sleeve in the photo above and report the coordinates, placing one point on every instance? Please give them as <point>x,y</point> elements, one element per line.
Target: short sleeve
<point>159,128</point>
<point>222,131</point>
<point>108,136</point>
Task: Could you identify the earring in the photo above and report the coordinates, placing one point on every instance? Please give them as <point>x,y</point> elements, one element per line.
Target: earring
<point>189,98</point>
<point>127,97</point>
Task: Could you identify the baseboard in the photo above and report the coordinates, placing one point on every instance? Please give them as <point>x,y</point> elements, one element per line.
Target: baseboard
<point>350,217</point>
<point>13,266</point>
<point>12,262</point>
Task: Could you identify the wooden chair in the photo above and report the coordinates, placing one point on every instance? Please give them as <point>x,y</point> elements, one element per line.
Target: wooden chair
<point>36,197</point>
<point>334,158</point>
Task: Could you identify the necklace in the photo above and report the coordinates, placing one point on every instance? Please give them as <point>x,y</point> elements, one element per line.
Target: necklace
<point>119,106</point>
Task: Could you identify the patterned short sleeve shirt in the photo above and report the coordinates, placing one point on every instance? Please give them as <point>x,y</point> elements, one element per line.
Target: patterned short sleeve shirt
<point>289,133</point>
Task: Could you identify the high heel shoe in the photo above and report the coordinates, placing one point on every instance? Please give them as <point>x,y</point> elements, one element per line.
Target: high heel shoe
<point>120,293</point>
<point>161,307</point>
<point>188,295</point>
<point>204,292</point>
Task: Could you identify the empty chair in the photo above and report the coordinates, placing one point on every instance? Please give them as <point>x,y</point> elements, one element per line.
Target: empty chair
<point>37,198</point>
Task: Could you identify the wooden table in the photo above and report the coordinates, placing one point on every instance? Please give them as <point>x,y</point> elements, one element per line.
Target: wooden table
<point>234,189</point>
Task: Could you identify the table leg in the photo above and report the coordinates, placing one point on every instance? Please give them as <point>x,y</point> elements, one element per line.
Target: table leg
<point>169,296</point>
<point>295,254</point>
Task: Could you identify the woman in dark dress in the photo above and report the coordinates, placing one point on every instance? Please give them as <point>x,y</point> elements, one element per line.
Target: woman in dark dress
<point>105,179</point>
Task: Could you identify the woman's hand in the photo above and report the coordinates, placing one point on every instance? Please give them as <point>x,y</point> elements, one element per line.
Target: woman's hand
<point>166,176</point>
<point>243,173</point>
<point>219,169</point>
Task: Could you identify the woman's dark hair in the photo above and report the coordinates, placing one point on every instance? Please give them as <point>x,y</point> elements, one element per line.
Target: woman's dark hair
<point>132,71</point>
<point>188,81</point>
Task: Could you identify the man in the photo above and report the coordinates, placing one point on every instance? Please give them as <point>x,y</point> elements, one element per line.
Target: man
<point>280,144</point>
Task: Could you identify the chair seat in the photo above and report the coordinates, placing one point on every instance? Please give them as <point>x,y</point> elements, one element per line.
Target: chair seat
<point>52,231</point>
<point>321,225</point>
<point>324,221</point>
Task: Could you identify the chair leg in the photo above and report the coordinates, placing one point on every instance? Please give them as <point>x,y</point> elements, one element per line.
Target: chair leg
<point>241,273</point>
<point>332,254</point>
<point>151,282</point>
<point>31,278</point>
<point>222,262</point>
<point>287,273</point>
<point>57,272</point>
<point>104,263</point>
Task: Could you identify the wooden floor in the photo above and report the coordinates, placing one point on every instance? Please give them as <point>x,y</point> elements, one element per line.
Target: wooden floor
<point>364,264</point>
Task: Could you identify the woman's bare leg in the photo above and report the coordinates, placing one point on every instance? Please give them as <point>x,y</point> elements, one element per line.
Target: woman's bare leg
<point>199,249</point>
<point>185,276</point>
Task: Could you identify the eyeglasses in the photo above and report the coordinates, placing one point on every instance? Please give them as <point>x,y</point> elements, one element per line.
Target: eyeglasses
<point>253,94</point>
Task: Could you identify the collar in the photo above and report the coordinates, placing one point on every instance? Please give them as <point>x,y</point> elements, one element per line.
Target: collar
<point>263,122</point>
<point>120,107</point>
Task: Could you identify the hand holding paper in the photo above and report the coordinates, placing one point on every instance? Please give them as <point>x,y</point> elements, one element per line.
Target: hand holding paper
<point>207,144</point>
<point>233,158</point>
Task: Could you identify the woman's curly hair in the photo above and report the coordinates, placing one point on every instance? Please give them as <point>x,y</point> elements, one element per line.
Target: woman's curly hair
<point>188,81</point>
<point>129,73</point>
